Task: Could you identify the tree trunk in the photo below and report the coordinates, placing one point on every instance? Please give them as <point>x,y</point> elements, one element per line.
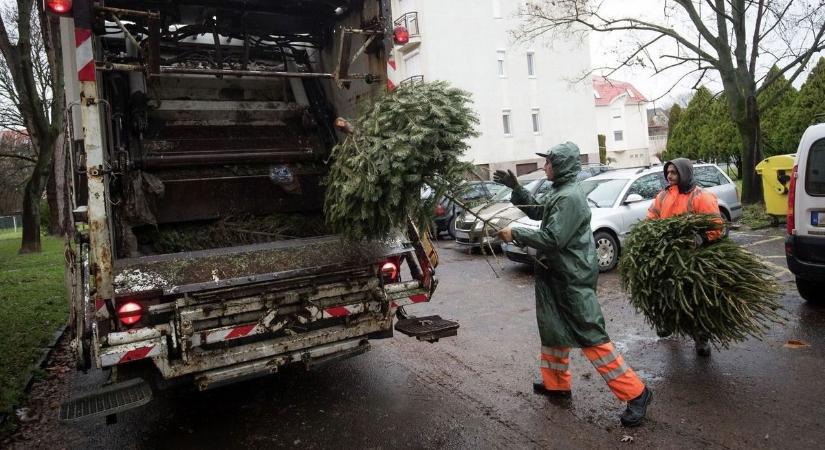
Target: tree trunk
<point>31,218</point>
<point>51,199</point>
<point>34,191</point>
<point>752,154</point>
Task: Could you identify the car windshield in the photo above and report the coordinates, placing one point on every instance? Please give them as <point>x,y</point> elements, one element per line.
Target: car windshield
<point>602,193</point>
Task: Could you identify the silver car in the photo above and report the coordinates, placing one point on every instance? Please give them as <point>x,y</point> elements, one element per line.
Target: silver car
<point>620,198</point>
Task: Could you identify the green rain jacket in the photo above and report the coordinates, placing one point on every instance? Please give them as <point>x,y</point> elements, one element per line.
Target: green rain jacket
<point>566,273</point>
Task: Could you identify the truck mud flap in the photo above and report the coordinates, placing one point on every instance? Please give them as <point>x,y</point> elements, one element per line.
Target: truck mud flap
<point>430,328</point>
<point>112,399</point>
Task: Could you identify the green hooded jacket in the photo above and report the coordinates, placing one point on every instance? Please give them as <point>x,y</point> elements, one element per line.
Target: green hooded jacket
<point>566,273</point>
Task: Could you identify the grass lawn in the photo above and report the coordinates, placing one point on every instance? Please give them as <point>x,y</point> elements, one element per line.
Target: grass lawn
<point>33,305</point>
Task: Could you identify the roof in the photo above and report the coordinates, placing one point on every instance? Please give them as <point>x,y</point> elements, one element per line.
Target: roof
<point>606,91</point>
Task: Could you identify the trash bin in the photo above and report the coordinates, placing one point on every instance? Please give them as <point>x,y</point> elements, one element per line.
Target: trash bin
<point>776,175</point>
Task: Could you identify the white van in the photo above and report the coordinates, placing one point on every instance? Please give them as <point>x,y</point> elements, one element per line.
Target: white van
<point>805,243</point>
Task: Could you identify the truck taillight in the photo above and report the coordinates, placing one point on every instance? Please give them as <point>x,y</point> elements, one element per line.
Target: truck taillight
<point>792,199</point>
<point>389,271</point>
<point>130,313</point>
<point>440,211</point>
<point>59,6</point>
<point>401,35</point>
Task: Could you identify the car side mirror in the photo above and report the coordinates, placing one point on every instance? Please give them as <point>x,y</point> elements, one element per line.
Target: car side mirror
<point>633,198</point>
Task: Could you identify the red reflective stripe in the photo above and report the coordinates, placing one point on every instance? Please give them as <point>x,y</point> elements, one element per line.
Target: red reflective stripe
<point>81,34</point>
<point>99,303</point>
<point>337,311</point>
<point>240,332</point>
<point>84,54</point>
<point>87,73</point>
<point>418,298</point>
<point>138,353</point>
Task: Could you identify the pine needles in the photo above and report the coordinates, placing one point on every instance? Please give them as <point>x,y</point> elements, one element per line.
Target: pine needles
<point>719,290</point>
<point>409,137</point>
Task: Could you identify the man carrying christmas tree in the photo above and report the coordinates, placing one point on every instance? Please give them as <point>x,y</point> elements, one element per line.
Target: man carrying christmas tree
<point>683,196</point>
<point>566,273</point>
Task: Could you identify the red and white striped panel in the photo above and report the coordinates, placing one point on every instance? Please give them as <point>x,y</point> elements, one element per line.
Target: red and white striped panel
<point>84,54</point>
<point>412,299</point>
<point>124,356</point>
<point>342,311</point>
<point>231,333</point>
<point>392,74</point>
<point>101,312</point>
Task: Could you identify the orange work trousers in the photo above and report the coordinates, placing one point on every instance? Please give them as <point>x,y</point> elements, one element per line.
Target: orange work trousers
<point>622,380</point>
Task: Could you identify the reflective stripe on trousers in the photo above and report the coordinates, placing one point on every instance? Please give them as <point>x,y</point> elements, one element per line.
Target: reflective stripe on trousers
<point>555,368</point>
<point>621,379</point>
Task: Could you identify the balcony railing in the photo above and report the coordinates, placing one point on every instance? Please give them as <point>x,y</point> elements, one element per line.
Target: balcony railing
<point>412,80</point>
<point>410,22</point>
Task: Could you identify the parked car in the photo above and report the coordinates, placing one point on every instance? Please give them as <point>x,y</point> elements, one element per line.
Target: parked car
<point>472,193</point>
<point>620,198</point>
<point>805,243</point>
<point>587,171</point>
<point>469,230</point>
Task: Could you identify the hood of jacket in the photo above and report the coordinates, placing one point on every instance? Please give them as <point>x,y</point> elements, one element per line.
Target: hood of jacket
<point>566,162</point>
<point>685,169</point>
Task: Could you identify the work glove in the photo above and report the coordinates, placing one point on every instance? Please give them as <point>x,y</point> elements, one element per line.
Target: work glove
<point>506,178</point>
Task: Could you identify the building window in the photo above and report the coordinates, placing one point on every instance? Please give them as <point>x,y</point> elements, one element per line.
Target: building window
<point>500,54</point>
<point>536,121</point>
<point>522,169</point>
<point>497,9</point>
<point>618,135</point>
<point>505,122</point>
<point>616,113</point>
<point>531,67</point>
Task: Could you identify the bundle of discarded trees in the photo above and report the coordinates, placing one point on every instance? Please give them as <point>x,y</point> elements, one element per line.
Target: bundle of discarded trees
<point>717,289</point>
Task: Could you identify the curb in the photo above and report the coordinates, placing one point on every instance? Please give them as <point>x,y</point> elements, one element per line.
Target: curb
<point>45,353</point>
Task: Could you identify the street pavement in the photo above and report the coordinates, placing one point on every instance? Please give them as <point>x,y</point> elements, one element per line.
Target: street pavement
<point>474,390</point>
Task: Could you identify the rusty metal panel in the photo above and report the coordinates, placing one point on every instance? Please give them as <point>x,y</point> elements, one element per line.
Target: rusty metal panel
<point>208,360</point>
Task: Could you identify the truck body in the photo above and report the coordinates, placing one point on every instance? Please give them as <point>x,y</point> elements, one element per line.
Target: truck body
<point>201,136</point>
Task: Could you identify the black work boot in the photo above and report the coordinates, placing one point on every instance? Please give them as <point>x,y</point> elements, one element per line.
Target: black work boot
<point>636,409</point>
<point>538,388</point>
<point>702,346</point>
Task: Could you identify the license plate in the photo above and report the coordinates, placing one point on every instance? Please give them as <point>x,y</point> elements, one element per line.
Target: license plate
<point>818,218</point>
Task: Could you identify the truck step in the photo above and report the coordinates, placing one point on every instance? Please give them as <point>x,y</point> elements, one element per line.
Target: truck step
<point>430,328</point>
<point>111,399</point>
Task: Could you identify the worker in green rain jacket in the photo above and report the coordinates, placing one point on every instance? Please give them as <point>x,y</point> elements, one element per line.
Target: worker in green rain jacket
<point>566,273</point>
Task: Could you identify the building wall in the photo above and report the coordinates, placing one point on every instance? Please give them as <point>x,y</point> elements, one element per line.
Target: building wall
<point>461,42</point>
<point>630,120</point>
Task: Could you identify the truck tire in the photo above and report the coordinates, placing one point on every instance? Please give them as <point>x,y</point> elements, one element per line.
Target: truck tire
<point>813,292</point>
<point>607,250</point>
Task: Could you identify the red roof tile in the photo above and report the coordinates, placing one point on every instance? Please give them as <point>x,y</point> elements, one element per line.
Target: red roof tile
<point>606,90</point>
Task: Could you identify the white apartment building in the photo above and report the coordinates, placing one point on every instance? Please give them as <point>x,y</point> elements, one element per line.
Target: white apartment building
<point>621,115</point>
<point>523,93</point>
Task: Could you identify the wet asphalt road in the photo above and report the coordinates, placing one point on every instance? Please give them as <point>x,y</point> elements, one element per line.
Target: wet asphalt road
<point>474,390</point>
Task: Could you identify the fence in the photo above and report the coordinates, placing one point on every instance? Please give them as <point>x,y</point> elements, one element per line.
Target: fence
<point>10,223</point>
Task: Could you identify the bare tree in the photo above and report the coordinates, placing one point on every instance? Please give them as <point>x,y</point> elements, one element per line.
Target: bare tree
<point>16,160</point>
<point>32,92</point>
<point>736,41</point>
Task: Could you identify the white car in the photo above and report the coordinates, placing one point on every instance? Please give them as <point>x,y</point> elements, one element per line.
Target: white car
<point>620,198</point>
<point>805,244</point>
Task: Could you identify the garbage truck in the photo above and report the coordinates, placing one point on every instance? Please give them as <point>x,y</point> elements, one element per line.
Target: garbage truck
<point>201,133</point>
